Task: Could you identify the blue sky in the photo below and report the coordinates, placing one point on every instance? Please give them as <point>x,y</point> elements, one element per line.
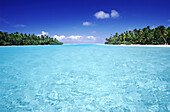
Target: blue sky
<point>81,21</point>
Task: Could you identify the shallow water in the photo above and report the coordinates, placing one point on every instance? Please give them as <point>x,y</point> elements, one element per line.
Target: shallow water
<point>84,78</point>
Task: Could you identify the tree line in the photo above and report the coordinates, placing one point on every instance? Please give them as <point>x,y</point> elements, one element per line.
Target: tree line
<point>145,36</point>
<point>26,39</point>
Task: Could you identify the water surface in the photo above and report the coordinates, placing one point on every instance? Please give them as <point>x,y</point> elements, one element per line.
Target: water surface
<point>84,78</point>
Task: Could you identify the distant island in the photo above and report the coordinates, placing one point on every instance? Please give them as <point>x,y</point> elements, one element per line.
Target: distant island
<point>146,36</point>
<point>7,39</point>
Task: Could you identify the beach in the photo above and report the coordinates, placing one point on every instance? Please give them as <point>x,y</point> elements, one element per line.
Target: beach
<point>137,45</point>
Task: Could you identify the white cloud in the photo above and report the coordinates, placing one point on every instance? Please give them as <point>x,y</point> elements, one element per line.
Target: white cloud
<point>43,33</point>
<point>101,15</point>
<point>59,37</point>
<point>168,20</point>
<point>86,23</point>
<point>114,14</point>
<point>91,37</point>
<point>74,38</point>
<point>20,26</point>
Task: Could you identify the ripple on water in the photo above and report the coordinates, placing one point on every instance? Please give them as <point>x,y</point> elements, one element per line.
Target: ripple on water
<point>84,78</point>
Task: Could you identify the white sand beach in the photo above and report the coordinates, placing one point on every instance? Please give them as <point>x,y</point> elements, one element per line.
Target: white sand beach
<point>137,45</point>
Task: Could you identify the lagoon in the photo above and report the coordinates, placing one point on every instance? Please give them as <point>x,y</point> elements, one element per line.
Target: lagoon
<point>73,78</point>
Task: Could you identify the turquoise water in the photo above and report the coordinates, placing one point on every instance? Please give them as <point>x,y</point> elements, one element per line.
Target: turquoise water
<point>84,78</point>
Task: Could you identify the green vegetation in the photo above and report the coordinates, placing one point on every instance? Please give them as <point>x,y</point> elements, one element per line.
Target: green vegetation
<point>158,35</point>
<point>26,39</point>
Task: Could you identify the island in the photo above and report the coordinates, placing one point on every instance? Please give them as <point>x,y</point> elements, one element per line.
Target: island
<point>8,39</point>
<point>146,36</point>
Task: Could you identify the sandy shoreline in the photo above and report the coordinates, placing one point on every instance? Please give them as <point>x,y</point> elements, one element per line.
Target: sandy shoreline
<point>23,45</point>
<point>137,45</point>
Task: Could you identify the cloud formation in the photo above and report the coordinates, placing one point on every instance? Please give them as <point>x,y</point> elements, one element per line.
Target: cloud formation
<point>114,14</point>
<point>43,33</point>
<point>87,23</point>
<point>75,39</point>
<point>91,37</point>
<point>101,15</point>
<point>59,37</point>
